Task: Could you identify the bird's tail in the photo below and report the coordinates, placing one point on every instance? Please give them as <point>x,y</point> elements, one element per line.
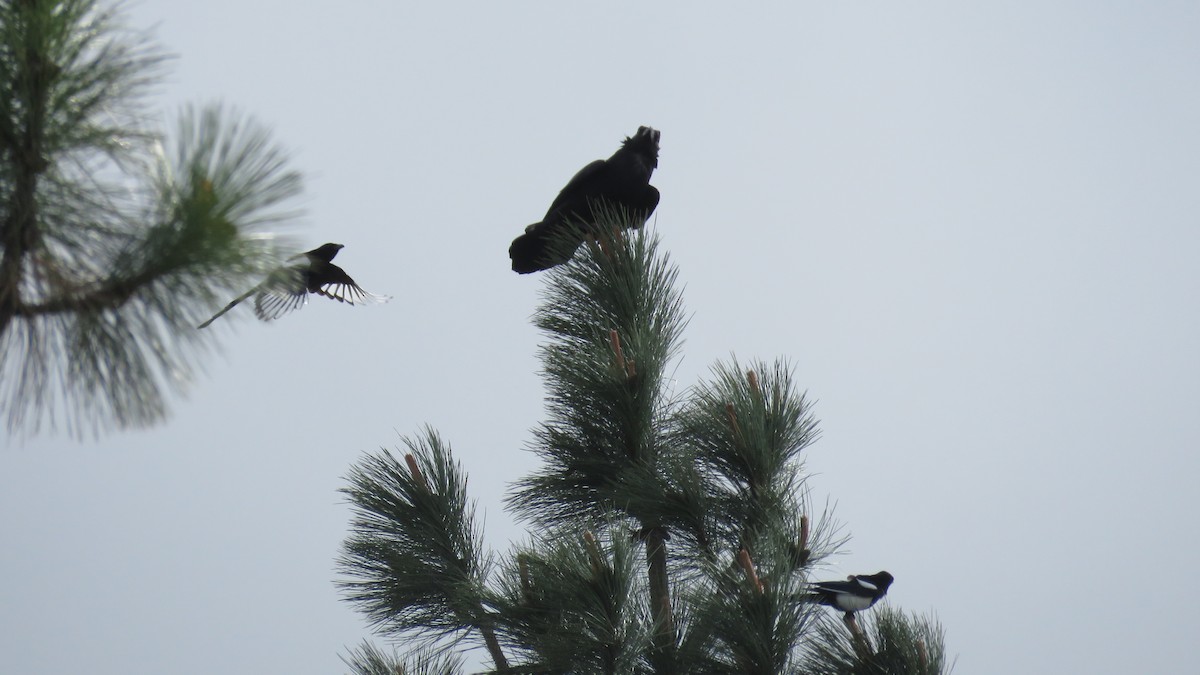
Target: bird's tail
<point>528,251</point>
<point>543,247</point>
<point>228,307</point>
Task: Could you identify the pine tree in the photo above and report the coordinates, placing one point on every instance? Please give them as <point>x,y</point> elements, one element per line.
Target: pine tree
<point>668,534</point>
<point>114,241</point>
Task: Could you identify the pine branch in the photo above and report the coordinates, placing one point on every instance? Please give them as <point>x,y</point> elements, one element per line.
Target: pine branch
<point>415,552</point>
<point>572,603</point>
<point>110,253</point>
<point>614,322</point>
<point>748,428</point>
<point>368,659</point>
<point>68,68</point>
<point>663,656</point>
<point>745,618</point>
<point>886,641</point>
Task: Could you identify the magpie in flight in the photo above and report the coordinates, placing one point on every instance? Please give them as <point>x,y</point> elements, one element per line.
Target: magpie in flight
<point>288,286</point>
<point>621,182</point>
<point>858,593</point>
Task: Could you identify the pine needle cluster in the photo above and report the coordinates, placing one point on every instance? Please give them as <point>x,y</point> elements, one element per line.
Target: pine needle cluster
<point>115,238</point>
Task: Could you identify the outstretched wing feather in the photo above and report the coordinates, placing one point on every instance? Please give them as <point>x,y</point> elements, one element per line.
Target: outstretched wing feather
<point>282,292</point>
<point>350,293</point>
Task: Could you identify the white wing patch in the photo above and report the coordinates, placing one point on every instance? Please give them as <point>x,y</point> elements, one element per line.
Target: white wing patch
<point>867,585</point>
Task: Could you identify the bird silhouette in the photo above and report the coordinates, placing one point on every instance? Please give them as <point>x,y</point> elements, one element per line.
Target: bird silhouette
<point>857,593</point>
<point>288,286</point>
<point>620,184</point>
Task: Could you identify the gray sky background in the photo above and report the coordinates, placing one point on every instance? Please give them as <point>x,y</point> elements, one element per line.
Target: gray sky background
<point>971,227</point>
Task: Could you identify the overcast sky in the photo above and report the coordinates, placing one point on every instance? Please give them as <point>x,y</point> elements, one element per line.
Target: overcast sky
<point>971,227</point>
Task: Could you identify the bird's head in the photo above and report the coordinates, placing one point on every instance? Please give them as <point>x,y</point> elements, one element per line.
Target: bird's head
<point>882,580</point>
<point>326,251</point>
<point>645,141</point>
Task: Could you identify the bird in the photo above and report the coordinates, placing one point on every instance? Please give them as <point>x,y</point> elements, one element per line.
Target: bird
<point>288,286</point>
<point>853,595</point>
<point>621,183</point>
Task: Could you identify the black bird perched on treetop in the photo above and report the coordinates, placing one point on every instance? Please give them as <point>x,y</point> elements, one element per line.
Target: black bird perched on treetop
<point>621,182</point>
<point>858,593</point>
<point>288,286</point>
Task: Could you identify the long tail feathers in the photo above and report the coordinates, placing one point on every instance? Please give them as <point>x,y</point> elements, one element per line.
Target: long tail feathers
<point>228,307</point>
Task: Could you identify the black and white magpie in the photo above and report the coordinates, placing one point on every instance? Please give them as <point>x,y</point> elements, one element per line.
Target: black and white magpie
<point>288,286</point>
<point>619,182</point>
<point>859,592</point>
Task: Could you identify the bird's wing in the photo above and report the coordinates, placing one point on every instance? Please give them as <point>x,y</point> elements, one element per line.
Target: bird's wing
<point>856,586</point>
<point>836,587</point>
<point>578,181</point>
<point>337,285</point>
<point>651,197</point>
<point>643,203</point>
<point>281,293</point>
<point>865,585</point>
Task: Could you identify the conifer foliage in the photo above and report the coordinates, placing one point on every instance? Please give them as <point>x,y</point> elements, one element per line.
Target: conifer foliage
<point>115,239</point>
<point>668,533</point>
